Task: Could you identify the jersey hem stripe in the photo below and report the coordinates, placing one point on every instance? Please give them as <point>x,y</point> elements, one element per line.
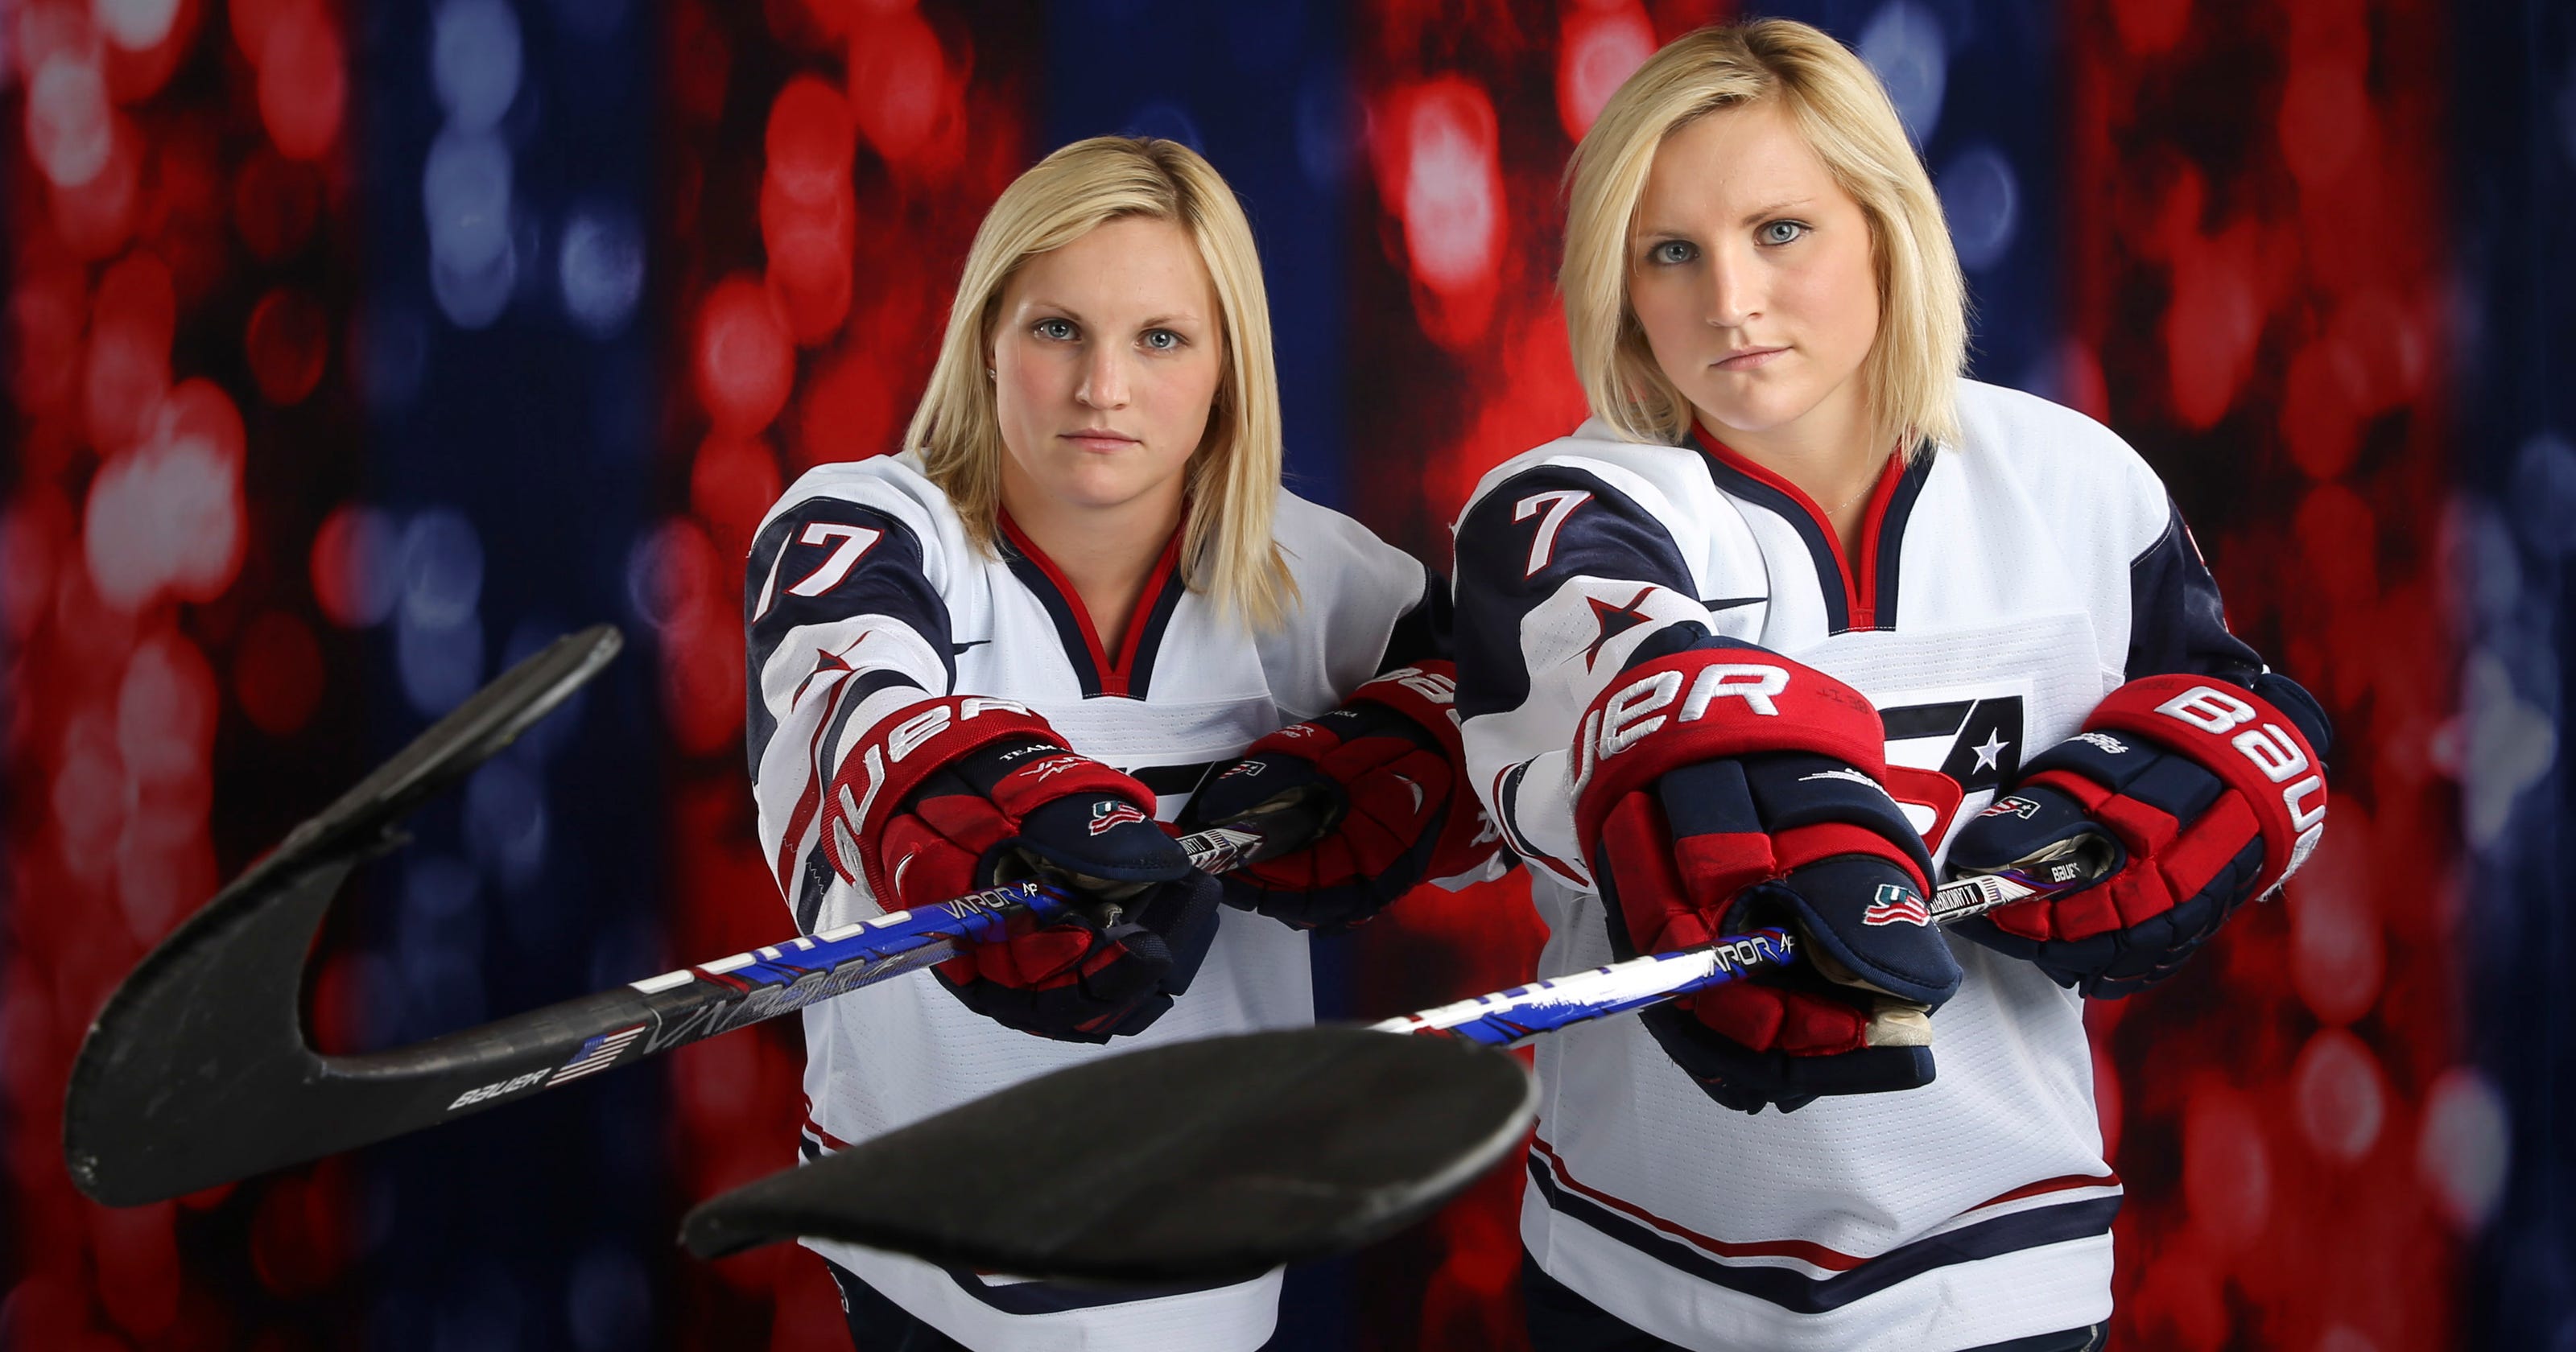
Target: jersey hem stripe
<point>1797,1291</point>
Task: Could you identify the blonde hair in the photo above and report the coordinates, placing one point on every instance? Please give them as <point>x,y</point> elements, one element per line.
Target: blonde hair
<point>1910,377</point>
<point>1233,477</point>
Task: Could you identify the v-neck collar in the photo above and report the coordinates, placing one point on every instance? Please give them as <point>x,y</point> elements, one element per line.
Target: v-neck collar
<point>1861,598</point>
<point>1129,674</point>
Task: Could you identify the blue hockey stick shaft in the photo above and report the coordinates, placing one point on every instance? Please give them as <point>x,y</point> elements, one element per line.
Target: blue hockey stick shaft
<point>1510,1017</point>
<point>791,975</point>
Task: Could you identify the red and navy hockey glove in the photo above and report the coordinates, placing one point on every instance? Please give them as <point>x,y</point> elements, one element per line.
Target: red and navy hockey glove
<point>1385,771</point>
<point>1723,789</point>
<point>959,794</point>
<point>2216,793</point>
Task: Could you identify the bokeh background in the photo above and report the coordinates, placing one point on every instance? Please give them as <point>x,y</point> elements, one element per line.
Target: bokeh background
<point>354,350</point>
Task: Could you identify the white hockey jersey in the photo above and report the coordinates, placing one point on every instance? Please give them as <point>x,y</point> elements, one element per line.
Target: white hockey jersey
<point>864,597</point>
<point>2004,586</point>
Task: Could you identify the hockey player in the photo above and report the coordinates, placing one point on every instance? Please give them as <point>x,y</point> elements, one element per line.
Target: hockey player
<point>1018,647</point>
<point>1749,647</point>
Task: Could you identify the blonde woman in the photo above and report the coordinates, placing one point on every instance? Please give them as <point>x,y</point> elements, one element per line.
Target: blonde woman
<point>1022,644</point>
<point>1748,648</point>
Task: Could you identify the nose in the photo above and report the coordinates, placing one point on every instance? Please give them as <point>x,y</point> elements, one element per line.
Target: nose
<point>1734,288</point>
<point>1104,378</point>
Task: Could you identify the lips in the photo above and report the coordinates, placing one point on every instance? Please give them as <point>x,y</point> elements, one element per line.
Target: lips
<point>1751,358</point>
<point>1100,439</point>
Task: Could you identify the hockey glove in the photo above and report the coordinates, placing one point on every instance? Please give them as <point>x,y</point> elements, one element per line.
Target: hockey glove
<point>2216,793</point>
<point>1383,771</point>
<point>1724,789</point>
<point>964,793</point>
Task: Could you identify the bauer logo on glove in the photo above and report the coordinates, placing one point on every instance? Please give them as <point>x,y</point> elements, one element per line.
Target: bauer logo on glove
<point>2215,793</point>
<point>1729,796</point>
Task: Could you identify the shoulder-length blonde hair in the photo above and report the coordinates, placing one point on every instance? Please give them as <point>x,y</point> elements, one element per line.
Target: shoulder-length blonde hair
<point>1233,477</point>
<point>1910,377</point>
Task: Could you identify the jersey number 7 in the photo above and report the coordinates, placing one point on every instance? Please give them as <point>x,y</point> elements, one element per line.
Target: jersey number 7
<point>1552,508</point>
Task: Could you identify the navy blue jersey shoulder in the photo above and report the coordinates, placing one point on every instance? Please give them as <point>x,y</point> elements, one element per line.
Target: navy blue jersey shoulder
<point>2177,623</point>
<point>827,559</point>
<point>1521,543</point>
<point>1423,633</point>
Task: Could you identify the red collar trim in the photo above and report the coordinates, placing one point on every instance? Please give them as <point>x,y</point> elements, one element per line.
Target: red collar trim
<point>1860,588</point>
<point>1113,675</point>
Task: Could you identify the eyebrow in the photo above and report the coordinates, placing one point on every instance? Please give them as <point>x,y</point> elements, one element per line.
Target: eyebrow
<point>1753,217</point>
<point>1151,321</point>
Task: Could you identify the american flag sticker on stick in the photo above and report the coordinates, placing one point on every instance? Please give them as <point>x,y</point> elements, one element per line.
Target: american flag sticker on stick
<point>596,1055</point>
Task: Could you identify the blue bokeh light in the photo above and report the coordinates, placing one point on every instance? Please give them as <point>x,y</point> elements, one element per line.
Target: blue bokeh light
<point>601,269</point>
<point>505,822</point>
<point>1982,197</point>
<point>465,193</point>
<point>437,666</point>
<point>1903,44</point>
<point>2544,495</point>
<point>474,61</point>
<point>442,569</point>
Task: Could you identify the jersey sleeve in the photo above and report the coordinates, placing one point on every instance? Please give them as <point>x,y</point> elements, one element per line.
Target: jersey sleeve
<point>2178,626</point>
<point>2177,623</point>
<point>1364,608</point>
<point>844,628</point>
<point>1566,577</point>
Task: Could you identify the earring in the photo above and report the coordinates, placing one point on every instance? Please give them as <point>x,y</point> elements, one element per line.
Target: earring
<point>988,374</point>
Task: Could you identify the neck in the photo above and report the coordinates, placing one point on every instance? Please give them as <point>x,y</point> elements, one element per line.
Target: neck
<point>1107,552</point>
<point>1834,455</point>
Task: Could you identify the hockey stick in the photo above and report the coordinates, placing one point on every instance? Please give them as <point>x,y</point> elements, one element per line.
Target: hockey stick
<point>197,1071</point>
<point>1219,1159</point>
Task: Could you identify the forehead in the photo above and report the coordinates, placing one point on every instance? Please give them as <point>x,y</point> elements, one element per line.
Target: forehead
<point>1137,265</point>
<point>1722,165</point>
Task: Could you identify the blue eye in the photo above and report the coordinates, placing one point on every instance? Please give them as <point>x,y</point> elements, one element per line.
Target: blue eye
<point>1057,329</point>
<point>1780,232</point>
<point>1162,340</point>
<point>1671,252</point>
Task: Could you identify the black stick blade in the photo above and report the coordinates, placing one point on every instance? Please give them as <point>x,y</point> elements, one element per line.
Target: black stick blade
<point>1197,1161</point>
<point>197,1072</point>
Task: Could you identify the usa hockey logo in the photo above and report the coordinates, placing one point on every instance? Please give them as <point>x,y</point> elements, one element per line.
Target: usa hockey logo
<point>2014,806</point>
<point>1896,904</point>
<point>2104,742</point>
<point>1110,812</point>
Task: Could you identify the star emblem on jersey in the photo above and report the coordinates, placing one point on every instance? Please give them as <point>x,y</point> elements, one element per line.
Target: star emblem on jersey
<point>1614,620</point>
<point>1109,812</point>
<point>1989,751</point>
<point>1896,905</point>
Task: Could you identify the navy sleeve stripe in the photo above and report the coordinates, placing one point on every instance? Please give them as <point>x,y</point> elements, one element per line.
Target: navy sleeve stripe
<point>1423,632</point>
<point>2177,623</point>
<point>1509,563</point>
<point>886,579</point>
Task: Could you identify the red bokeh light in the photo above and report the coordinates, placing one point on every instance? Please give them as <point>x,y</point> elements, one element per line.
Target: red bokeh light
<point>303,80</point>
<point>731,486</point>
<point>350,547</point>
<point>810,140</point>
<point>743,358</point>
<point>286,341</point>
<point>1602,45</point>
<point>145,41</point>
<point>96,216</point>
<point>904,94</point>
